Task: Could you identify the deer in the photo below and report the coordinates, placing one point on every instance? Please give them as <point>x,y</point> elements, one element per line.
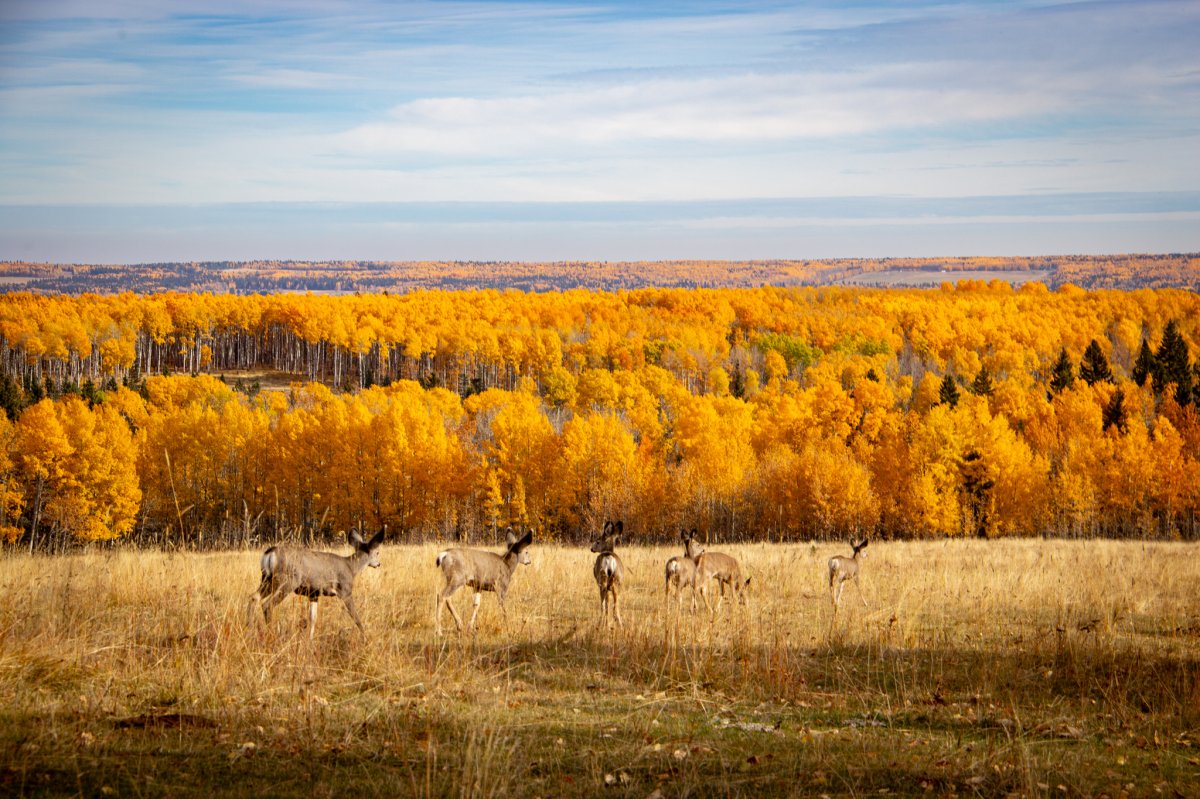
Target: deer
<point>725,570</point>
<point>843,569</point>
<point>681,571</point>
<point>608,570</point>
<point>483,571</point>
<point>287,570</point>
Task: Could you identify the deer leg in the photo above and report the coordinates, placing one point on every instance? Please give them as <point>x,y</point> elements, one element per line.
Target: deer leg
<point>281,592</point>
<point>704,596</point>
<point>603,605</point>
<point>475,610</point>
<point>348,601</point>
<point>312,617</point>
<point>444,599</point>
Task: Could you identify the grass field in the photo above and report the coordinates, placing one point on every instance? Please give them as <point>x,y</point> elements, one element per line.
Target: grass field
<point>1030,668</point>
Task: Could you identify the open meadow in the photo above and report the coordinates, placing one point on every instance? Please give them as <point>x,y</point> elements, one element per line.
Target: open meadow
<point>962,667</point>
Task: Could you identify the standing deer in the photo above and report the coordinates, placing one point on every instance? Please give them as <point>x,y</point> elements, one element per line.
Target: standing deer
<point>608,570</point>
<point>842,569</point>
<point>725,570</point>
<point>483,571</point>
<point>287,570</point>
<point>681,571</point>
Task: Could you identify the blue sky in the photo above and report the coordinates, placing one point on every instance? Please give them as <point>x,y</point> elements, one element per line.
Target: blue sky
<point>133,130</point>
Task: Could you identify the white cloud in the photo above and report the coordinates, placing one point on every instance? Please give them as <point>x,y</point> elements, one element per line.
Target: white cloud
<point>744,108</point>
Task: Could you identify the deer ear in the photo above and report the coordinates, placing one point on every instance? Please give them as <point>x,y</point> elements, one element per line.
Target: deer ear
<point>377,539</point>
<point>525,540</point>
<point>620,528</point>
<point>510,536</point>
<point>354,537</point>
<point>607,529</point>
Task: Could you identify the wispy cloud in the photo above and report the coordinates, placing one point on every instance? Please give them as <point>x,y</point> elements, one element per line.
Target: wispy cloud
<point>281,100</point>
<point>736,109</point>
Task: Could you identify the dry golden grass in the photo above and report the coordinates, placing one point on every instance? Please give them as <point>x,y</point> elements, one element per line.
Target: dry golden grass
<point>1024,668</point>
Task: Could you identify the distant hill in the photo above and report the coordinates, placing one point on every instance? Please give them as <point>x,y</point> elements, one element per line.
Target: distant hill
<point>347,277</point>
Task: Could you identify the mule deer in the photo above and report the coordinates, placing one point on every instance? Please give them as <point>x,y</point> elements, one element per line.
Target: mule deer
<point>609,571</point>
<point>842,569</point>
<point>287,570</point>
<point>725,570</point>
<point>483,571</point>
<point>681,571</point>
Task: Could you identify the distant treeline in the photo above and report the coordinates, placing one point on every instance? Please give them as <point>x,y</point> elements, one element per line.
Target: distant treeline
<point>348,277</point>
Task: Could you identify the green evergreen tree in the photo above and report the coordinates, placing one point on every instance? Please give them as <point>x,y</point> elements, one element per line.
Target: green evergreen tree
<point>1173,366</point>
<point>948,392</point>
<point>12,399</point>
<point>1094,366</point>
<point>1143,365</point>
<point>1063,373</point>
<point>88,391</point>
<point>982,384</point>
<point>1114,411</point>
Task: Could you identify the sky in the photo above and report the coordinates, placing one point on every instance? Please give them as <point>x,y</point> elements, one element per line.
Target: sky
<point>142,131</point>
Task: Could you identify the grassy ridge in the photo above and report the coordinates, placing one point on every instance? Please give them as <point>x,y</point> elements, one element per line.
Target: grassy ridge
<point>1018,667</point>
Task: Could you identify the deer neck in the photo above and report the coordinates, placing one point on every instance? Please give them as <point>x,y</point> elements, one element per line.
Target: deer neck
<point>511,561</point>
<point>358,561</point>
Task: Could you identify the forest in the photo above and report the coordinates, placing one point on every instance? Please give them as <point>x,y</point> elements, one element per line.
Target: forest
<point>782,414</point>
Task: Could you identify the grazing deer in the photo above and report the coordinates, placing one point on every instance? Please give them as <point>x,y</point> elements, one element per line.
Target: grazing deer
<point>842,569</point>
<point>608,570</point>
<point>287,570</point>
<point>483,571</point>
<point>681,571</point>
<point>725,570</point>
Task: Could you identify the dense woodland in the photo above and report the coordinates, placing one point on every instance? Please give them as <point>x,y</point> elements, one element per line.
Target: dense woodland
<point>782,414</point>
<point>348,277</point>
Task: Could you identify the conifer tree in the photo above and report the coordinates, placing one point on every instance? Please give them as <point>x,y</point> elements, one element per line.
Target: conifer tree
<point>1172,365</point>
<point>948,392</point>
<point>1094,366</point>
<point>1114,411</point>
<point>1063,374</point>
<point>1143,366</point>
<point>982,384</point>
<point>11,399</point>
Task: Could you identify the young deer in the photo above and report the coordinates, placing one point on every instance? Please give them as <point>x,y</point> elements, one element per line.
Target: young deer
<point>681,571</point>
<point>483,571</point>
<point>287,570</point>
<point>608,570</point>
<point>842,569</point>
<point>725,570</point>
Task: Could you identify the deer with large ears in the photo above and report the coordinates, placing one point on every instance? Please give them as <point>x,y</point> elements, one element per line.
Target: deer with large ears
<point>681,571</point>
<point>843,569</point>
<point>287,570</point>
<point>483,571</point>
<point>609,571</point>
